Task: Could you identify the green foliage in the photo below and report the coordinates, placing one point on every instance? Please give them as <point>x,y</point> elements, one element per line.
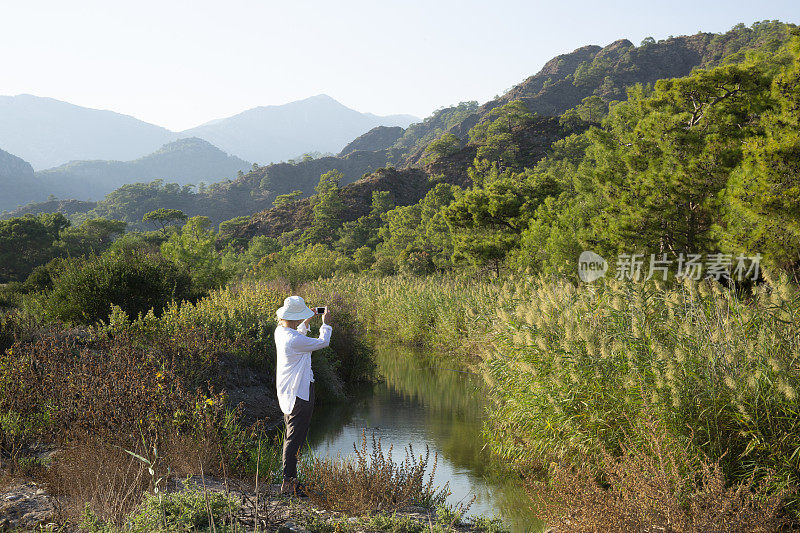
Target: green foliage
<point>242,262</point>
<point>192,509</point>
<point>185,511</point>
<point>297,264</point>
<point>763,194</point>
<point>130,203</point>
<point>163,218</point>
<point>592,110</point>
<point>12,326</point>
<point>327,207</point>
<point>571,371</point>
<point>665,156</point>
<point>592,73</point>
<point>194,251</point>
<point>286,199</point>
<point>417,136</point>
<point>93,236</point>
<point>495,134</point>
<point>446,145</point>
<point>364,258</point>
<point>27,242</point>
<point>681,353</point>
<point>233,225</point>
<point>243,316</point>
<point>762,42</point>
<point>364,231</point>
<point>416,237</point>
<point>148,242</point>
<point>487,221</point>
<point>85,289</point>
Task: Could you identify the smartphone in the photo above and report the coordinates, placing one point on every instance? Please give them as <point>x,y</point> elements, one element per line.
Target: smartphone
<point>320,310</point>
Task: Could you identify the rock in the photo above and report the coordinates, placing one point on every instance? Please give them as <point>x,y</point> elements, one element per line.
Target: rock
<point>25,506</point>
<point>290,527</point>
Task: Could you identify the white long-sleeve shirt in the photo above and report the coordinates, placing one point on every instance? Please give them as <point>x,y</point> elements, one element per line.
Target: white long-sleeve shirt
<point>293,373</point>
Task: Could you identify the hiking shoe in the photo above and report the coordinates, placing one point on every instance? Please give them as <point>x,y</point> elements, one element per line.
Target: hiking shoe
<point>300,491</point>
<point>288,486</point>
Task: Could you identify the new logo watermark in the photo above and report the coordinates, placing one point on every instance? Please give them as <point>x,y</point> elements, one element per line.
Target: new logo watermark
<point>635,267</point>
<point>591,266</point>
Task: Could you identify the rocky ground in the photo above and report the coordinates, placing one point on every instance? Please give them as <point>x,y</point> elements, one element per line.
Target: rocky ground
<point>25,506</point>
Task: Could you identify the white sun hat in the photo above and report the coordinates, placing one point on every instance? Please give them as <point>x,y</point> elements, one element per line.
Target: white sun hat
<point>294,308</point>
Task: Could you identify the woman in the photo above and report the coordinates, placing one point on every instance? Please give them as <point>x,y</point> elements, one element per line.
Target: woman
<point>294,378</point>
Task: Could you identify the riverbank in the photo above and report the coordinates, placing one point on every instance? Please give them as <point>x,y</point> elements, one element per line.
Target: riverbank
<point>614,378</point>
<point>125,407</point>
<point>193,503</point>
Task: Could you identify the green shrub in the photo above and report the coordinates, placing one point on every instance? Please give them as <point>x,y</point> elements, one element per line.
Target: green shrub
<point>180,511</point>
<point>184,511</point>
<point>298,264</point>
<point>13,325</point>
<point>243,316</point>
<point>136,282</point>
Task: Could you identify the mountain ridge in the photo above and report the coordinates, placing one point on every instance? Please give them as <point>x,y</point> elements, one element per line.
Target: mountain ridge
<point>47,132</point>
<point>561,84</point>
<point>184,161</point>
<point>270,134</point>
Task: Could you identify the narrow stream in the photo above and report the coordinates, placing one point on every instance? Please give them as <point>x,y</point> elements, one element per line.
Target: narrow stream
<point>424,404</point>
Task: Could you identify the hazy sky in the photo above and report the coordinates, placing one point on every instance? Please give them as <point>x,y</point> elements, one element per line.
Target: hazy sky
<point>179,63</point>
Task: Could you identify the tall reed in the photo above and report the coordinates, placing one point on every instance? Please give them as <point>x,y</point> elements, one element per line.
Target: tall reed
<point>569,369</point>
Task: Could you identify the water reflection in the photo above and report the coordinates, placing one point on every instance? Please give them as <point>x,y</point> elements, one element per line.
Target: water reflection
<point>423,401</point>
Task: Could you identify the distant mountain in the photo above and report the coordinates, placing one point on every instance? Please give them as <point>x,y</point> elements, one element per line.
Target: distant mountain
<point>18,184</point>
<point>253,191</point>
<point>185,161</point>
<point>277,133</point>
<point>47,132</point>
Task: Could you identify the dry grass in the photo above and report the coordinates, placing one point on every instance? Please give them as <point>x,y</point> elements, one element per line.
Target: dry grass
<point>110,481</point>
<point>96,397</point>
<point>655,485</point>
<point>105,478</point>
<point>372,481</point>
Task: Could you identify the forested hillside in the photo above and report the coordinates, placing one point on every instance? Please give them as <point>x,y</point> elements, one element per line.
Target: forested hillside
<point>248,193</point>
<point>526,189</point>
<point>185,161</point>
<point>582,83</point>
<point>672,169</point>
<point>17,182</point>
<point>566,80</point>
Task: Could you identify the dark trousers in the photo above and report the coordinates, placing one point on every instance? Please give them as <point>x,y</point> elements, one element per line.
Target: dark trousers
<point>296,431</point>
